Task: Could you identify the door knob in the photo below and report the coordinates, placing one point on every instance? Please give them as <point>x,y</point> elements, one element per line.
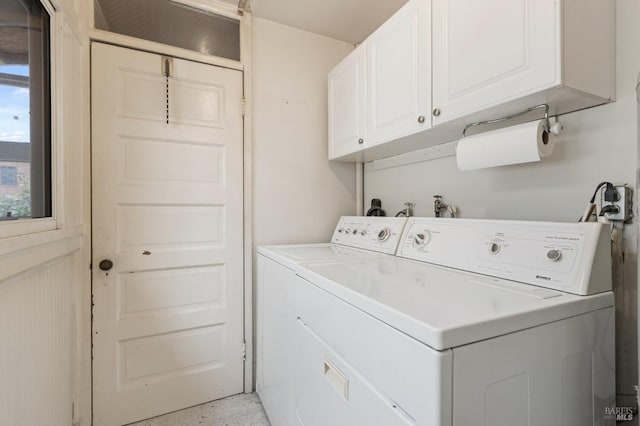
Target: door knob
<point>360,141</point>
<point>106,264</point>
<point>436,112</point>
<point>421,119</point>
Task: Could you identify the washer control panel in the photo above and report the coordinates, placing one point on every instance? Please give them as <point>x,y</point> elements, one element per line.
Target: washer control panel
<point>571,257</point>
<point>381,234</point>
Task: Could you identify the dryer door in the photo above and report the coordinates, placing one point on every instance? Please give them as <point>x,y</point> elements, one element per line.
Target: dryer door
<point>387,366</point>
<point>328,391</point>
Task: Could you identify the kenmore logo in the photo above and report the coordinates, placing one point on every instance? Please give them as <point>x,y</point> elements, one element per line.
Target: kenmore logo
<point>540,277</point>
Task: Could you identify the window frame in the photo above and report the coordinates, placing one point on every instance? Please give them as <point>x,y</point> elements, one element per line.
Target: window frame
<point>16,228</point>
<point>211,6</point>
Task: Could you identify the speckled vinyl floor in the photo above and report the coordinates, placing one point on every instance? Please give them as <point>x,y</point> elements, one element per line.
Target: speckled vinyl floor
<point>238,410</point>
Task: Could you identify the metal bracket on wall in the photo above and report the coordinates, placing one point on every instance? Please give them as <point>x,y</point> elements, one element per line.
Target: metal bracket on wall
<point>242,6</point>
<point>167,64</point>
<point>512,116</point>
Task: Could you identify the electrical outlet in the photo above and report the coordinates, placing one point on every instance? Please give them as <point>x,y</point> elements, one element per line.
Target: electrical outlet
<point>624,203</point>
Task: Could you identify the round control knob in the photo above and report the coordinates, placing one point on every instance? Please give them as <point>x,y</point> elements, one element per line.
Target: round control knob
<point>355,231</point>
<point>554,255</point>
<point>384,234</point>
<point>419,240</point>
<point>105,264</point>
<point>363,232</point>
<point>341,231</point>
<point>494,248</point>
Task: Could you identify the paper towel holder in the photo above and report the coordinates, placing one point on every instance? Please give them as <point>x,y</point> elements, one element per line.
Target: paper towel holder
<point>548,127</point>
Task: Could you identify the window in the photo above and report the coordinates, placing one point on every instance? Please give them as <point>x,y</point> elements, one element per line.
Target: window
<point>8,176</point>
<point>172,23</point>
<point>25,112</point>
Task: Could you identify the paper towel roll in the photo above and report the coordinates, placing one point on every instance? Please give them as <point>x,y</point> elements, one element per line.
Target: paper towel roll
<point>524,143</point>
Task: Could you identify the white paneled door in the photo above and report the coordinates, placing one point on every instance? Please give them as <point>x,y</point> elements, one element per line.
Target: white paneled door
<point>168,215</point>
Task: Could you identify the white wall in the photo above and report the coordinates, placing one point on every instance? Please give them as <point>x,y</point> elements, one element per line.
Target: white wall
<point>45,364</point>
<point>597,144</point>
<point>297,194</point>
<point>37,362</point>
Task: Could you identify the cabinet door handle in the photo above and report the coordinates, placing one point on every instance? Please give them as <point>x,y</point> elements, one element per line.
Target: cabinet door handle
<point>360,141</point>
<point>436,112</point>
<point>421,119</point>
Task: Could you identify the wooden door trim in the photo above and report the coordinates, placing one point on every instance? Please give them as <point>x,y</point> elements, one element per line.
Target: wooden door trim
<point>134,43</point>
<point>247,76</point>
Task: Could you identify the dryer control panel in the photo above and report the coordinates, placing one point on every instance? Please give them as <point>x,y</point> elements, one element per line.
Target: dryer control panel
<point>381,234</point>
<point>571,257</point>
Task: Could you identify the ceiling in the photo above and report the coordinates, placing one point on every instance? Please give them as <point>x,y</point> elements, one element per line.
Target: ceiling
<point>347,20</point>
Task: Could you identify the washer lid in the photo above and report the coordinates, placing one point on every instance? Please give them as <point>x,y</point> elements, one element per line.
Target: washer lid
<point>291,255</point>
<point>444,307</point>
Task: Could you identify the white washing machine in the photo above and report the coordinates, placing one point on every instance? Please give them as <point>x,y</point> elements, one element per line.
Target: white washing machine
<point>354,237</point>
<point>474,323</point>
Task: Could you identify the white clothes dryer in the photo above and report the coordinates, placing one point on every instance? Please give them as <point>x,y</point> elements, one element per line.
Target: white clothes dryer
<point>354,237</point>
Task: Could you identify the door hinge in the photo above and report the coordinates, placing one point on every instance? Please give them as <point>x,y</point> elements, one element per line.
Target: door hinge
<point>244,350</point>
<point>244,106</point>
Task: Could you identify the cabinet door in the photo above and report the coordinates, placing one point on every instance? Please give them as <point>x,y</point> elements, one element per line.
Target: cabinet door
<point>347,100</point>
<point>398,72</point>
<point>492,51</point>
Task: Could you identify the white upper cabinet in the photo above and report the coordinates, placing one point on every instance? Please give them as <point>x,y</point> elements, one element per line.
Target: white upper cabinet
<point>399,75</point>
<point>487,53</point>
<point>347,104</point>
<point>438,65</point>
